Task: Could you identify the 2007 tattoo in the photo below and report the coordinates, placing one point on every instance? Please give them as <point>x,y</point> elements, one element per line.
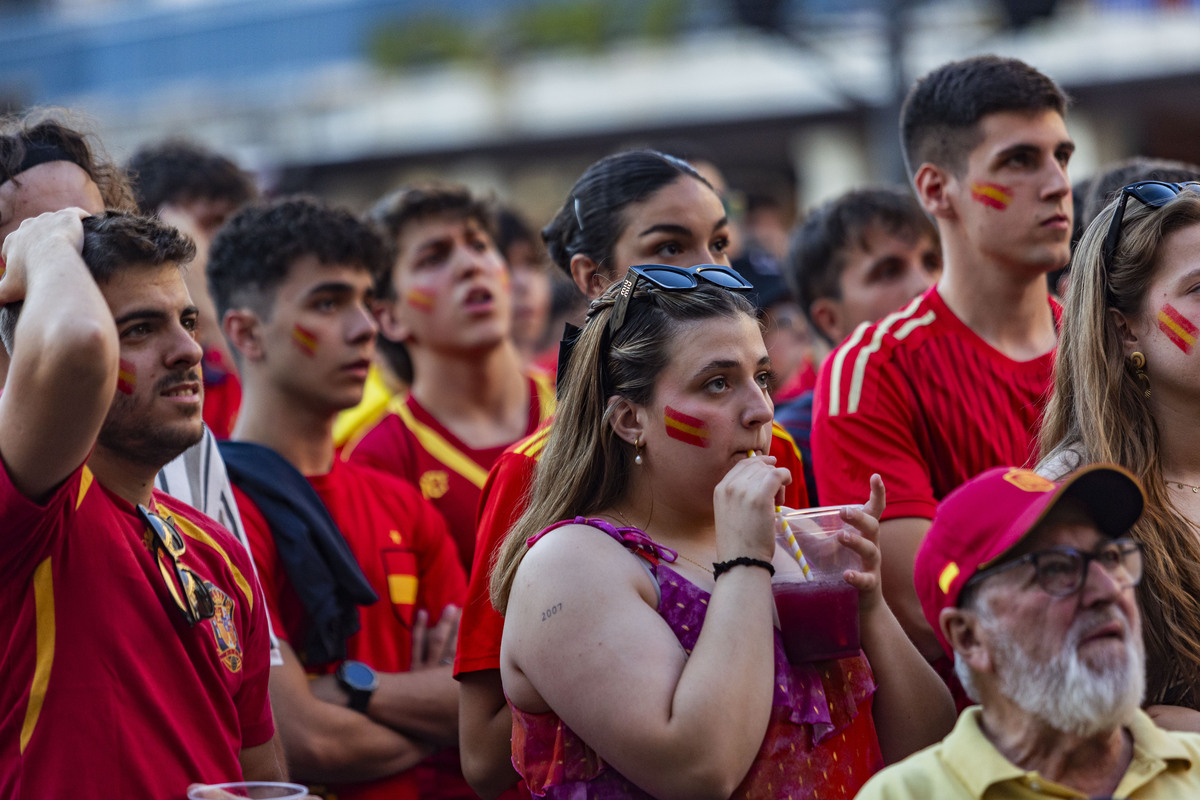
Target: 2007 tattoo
<point>551,611</point>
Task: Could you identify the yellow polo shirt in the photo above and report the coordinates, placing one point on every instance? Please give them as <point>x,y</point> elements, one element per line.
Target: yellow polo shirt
<point>1165,766</point>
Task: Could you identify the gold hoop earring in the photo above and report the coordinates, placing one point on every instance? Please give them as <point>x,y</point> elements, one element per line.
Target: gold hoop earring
<point>637,447</point>
<point>1137,360</point>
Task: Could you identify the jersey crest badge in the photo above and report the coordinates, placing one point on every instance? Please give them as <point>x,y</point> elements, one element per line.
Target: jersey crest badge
<point>229,647</point>
<point>434,484</point>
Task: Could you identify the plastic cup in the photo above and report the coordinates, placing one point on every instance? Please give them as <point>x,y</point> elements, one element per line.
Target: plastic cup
<point>818,610</point>
<point>255,790</point>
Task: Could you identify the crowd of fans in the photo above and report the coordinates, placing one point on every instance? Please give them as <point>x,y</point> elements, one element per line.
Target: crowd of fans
<point>289,491</point>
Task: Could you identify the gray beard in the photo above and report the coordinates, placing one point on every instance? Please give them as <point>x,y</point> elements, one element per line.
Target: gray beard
<point>1068,693</point>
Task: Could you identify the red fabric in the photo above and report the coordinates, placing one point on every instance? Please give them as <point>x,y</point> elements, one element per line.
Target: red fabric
<point>803,380</point>
<point>222,395</point>
<point>391,446</point>
<point>936,406</point>
<point>392,531</point>
<point>502,502</point>
<point>138,703</point>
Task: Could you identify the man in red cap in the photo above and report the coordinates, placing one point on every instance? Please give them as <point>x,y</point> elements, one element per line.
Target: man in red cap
<point>1030,585</point>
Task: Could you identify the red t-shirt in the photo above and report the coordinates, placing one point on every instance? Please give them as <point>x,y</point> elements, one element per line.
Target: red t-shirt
<point>222,395</point>
<point>410,442</point>
<point>406,554</point>
<point>921,399</point>
<point>504,499</point>
<point>106,690</point>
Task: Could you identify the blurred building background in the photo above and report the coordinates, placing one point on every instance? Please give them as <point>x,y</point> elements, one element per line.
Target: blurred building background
<point>794,99</point>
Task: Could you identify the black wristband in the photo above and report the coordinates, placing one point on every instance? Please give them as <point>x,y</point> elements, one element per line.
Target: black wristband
<point>720,568</point>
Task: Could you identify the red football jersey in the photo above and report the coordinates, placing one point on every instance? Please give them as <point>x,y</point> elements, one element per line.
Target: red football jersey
<point>410,442</point>
<point>406,554</point>
<point>107,690</point>
<point>921,399</point>
<point>222,395</point>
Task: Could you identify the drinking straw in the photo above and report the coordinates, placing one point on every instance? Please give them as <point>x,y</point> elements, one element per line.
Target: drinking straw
<point>793,544</point>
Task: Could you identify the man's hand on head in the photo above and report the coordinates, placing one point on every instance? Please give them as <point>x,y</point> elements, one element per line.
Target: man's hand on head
<point>47,235</point>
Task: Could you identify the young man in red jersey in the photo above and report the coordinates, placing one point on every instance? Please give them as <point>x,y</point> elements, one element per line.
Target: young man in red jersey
<point>855,259</point>
<point>954,383</point>
<point>135,635</point>
<point>448,300</point>
<point>365,691</point>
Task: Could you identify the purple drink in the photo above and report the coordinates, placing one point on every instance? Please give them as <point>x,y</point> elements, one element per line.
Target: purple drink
<point>818,619</point>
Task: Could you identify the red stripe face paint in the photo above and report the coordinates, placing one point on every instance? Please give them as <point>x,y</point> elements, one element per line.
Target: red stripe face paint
<point>992,195</point>
<point>1178,328</point>
<point>126,377</point>
<point>685,428</point>
<point>305,339</point>
<point>420,300</point>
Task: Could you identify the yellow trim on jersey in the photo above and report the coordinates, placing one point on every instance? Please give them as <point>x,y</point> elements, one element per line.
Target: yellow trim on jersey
<point>438,447</point>
<point>43,602</point>
<point>376,396</point>
<point>534,443</point>
<point>193,531</point>
<point>545,394</point>
<point>85,483</point>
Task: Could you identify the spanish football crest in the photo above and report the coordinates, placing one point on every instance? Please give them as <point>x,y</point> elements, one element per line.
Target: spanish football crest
<point>229,648</point>
<point>434,484</point>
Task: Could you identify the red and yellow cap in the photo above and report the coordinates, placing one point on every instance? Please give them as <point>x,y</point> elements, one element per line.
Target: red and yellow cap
<point>981,521</point>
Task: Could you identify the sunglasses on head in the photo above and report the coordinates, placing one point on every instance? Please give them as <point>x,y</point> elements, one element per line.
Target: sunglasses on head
<point>1155,194</point>
<point>186,588</point>
<point>672,279</point>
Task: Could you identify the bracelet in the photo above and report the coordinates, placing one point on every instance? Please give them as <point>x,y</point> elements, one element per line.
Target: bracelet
<point>722,567</point>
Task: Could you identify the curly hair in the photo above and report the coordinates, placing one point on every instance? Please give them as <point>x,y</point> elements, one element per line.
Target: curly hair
<point>256,247</point>
<point>68,132</point>
<point>177,170</point>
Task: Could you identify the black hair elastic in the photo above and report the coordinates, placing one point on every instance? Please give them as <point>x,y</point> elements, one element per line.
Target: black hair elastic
<point>721,567</point>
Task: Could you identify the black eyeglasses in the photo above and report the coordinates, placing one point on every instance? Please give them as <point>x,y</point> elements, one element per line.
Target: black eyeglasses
<point>673,279</point>
<point>1061,571</point>
<point>1155,194</point>
<point>187,588</point>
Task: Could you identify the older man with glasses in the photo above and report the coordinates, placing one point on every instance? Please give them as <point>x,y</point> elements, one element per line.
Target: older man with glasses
<point>1030,585</point>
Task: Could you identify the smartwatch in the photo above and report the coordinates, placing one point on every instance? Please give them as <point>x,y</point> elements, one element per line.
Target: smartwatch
<point>359,681</point>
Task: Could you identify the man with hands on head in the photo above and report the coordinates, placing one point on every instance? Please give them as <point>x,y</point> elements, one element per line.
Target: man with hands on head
<point>103,389</point>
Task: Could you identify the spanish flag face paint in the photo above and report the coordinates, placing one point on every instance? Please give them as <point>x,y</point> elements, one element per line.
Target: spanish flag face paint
<point>126,377</point>
<point>992,195</point>
<point>305,339</point>
<point>420,300</point>
<point>685,428</point>
<point>1178,328</point>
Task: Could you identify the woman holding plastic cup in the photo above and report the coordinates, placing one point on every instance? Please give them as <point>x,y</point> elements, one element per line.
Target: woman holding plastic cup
<point>639,655</point>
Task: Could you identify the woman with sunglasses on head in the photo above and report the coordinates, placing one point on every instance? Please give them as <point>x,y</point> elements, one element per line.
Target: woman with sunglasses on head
<point>630,208</point>
<point>640,658</point>
<point>1127,390</point>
